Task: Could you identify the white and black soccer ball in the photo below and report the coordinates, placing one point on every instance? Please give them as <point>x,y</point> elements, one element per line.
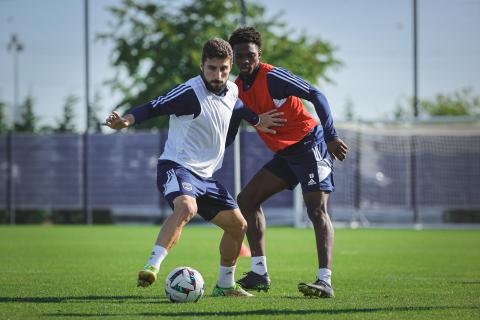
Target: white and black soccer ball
<point>184,284</point>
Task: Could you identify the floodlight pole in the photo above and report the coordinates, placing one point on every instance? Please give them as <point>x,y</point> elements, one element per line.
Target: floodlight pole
<point>237,170</point>
<point>413,142</point>
<point>15,46</point>
<point>243,13</point>
<point>415,61</point>
<point>85,199</point>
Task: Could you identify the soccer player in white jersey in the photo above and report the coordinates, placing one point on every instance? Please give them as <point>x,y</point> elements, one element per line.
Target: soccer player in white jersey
<point>200,113</point>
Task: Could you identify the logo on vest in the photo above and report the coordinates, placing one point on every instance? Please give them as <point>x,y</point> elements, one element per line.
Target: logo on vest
<point>279,102</point>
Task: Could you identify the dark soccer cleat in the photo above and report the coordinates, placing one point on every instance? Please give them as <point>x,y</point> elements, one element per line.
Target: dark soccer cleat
<point>254,281</point>
<point>319,289</point>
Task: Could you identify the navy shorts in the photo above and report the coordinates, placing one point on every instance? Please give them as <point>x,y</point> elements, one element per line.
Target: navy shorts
<point>307,162</point>
<point>174,180</point>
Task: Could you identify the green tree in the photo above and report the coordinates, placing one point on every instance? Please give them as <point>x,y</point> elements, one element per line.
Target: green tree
<point>402,112</point>
<point>95,107</point>
<point>349,110</point>
<point>66,123</point>
<point>458,103</point>
<point>28,121</point>
<point>3,120</point>
<point>158,44</point>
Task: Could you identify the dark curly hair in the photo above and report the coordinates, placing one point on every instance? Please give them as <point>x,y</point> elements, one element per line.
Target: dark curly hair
<point>216,48</point>
<point>246,35</point>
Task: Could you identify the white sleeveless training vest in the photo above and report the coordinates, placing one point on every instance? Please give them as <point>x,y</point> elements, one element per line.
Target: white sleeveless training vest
<point>198,143</point>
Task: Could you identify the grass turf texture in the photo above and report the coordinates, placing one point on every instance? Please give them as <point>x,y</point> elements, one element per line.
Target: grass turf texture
<point>90,272</point>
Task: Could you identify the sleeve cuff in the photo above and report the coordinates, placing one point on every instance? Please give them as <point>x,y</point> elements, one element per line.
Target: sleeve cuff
<point>258,122</point>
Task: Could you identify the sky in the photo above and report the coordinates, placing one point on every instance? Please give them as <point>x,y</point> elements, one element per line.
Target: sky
<point>373,39</point>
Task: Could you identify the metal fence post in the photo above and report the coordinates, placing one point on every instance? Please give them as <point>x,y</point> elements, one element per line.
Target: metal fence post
<point>413,179</point>
<point>10,179</point>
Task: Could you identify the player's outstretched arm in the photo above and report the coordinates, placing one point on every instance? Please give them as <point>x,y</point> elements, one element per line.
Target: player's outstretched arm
<point>114,121</point>
<point>338,149</point>
<point>262,122</point>
<point>269,119</point>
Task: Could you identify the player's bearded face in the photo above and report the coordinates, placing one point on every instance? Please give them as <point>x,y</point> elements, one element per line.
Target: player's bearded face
<point>246,57</point>
<point>215,72</point>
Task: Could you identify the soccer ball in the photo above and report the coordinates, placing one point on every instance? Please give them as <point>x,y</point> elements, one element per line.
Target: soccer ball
<point>184,284</point>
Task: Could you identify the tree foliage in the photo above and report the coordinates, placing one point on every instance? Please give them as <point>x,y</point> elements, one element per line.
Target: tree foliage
<point>349,110</point>
<point>3,119</point>
<point>157,44</point>
<point>28,121</point>
<point>95,106</point>
<point>67,123</point>
<point>458,103</point>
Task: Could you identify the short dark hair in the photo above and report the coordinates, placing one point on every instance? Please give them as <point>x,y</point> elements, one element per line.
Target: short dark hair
<point>216,48</point>
<point>246,35</point>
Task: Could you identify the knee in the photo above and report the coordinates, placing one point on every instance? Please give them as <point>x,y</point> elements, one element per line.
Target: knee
<point>247,202</point>
<point>318,214</point>
<point>185,209</point>
<point>243,226</point>
<point>239,225</point>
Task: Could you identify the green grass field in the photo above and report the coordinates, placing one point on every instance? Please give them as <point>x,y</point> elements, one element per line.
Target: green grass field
<point>53,272</point>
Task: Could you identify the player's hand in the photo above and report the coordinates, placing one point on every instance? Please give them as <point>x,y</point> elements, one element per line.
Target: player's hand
<point>116,122</point>
<point>270,119</point>
<point>338,149</point>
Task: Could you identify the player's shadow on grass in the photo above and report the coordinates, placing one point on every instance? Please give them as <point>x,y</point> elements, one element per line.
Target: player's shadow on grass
<point>471,282</point>
<point>263,312</point>
<point>76,299</point>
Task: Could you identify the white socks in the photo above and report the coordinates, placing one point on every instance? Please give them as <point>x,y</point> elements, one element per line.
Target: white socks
<point>225,277</point>
<point>259,265</point>
<point>325,275</point>
<point>158,254</point>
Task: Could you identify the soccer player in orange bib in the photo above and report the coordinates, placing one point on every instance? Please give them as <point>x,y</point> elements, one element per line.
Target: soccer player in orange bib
<point>304,153</point>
